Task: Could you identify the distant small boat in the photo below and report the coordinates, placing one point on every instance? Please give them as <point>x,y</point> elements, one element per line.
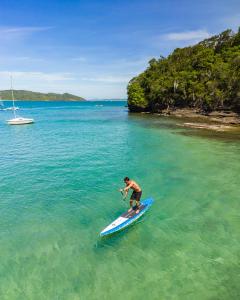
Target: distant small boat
<point>7,108</point>
<point>17,120</point>
<point>1,104</point>
<point>11,108</point>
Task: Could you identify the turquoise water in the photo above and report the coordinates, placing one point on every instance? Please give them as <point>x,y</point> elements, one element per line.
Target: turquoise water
<point>58,184</point>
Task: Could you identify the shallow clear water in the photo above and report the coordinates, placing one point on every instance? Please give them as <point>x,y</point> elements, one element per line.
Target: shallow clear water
<point>58,184</point>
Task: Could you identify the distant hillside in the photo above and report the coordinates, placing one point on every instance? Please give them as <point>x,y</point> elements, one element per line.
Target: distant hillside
<point>28,95</point>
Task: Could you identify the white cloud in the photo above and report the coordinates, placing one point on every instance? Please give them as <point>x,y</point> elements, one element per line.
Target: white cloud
<point>104,86</point>
<point>36,76</point>
<point>13,35</point>
<point>22,30</point>
<point>132,63</point>
<point>108,79</point>
<point>4,59</point>
<point>187,35</point>
<point>79,59</point>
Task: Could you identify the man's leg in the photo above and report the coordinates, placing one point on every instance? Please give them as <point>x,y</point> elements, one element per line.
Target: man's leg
<point>138,201</point>
<point>138,205</point>
<point>131,204</point>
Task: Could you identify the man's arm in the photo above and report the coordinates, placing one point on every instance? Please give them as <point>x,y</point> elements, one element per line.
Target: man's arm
<point>126,189</point>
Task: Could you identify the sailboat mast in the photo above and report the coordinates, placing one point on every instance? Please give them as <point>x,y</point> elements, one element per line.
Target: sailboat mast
<point>14,111</point>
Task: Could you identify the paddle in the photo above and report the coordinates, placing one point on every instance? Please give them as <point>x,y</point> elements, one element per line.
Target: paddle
<point>124,194</point>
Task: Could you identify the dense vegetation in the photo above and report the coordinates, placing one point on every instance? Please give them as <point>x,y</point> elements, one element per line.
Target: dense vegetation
<point>28,95</point>
<point>205,76</point>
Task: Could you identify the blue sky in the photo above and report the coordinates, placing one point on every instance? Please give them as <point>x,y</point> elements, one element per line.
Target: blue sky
<point>93,48</point>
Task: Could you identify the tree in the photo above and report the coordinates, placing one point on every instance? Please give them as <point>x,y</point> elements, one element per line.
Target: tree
<point>136,97</point>
<point>205,76</point>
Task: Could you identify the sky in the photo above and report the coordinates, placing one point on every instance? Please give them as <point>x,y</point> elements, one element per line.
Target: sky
<point>93,48</point>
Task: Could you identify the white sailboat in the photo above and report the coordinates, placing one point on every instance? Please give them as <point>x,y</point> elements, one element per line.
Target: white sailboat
<point>17,120</point>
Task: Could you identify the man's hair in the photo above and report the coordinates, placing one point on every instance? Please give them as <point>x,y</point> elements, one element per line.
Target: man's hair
<point>126,179</point>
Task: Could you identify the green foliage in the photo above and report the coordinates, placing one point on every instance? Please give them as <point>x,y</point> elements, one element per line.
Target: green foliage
<point>28,95</point>
<point>136,98</point>
<point>205,76</point>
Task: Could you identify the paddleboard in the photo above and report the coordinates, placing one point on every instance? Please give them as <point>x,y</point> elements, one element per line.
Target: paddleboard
<point>127,218</point>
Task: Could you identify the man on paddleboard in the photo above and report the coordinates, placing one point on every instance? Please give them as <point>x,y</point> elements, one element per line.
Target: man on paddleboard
<point>136,194</point>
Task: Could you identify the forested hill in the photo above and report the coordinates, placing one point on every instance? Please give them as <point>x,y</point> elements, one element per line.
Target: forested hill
<point>28,95</point>
<point>205,76</point>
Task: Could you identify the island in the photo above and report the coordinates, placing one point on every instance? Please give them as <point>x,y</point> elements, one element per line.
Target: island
<point>36,96</point>
<point>199,80</point>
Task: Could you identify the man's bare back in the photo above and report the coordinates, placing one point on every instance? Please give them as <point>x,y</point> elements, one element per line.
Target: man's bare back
<point>133,185</point>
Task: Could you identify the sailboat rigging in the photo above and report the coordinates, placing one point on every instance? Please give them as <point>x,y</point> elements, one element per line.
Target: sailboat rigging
<point>17,120</point>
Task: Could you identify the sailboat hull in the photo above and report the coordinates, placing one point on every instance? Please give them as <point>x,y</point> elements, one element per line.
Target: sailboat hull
<point>20,121</point>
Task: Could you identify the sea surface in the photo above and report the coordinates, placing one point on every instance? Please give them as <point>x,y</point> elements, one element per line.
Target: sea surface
<point>59,181</point>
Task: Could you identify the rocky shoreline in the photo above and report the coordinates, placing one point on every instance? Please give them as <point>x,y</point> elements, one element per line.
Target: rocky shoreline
<point>216,120</point>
